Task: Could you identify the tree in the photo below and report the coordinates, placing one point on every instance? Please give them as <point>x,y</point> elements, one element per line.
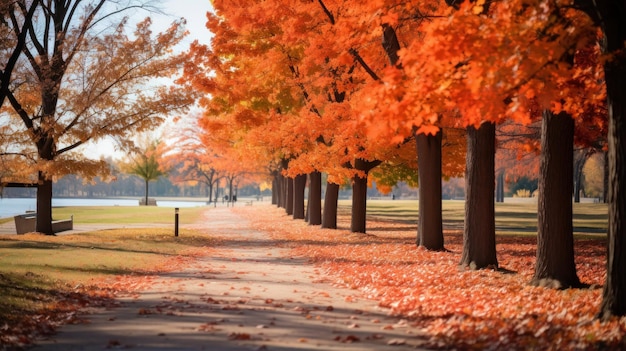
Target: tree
<point>479,240</point>
<point>145,164</point>
<point>555,264</point>
<point>191,155</point>
<point>79,81</point>
<point>267,112</point>
<point>610,17</point>
<point>314,204</point>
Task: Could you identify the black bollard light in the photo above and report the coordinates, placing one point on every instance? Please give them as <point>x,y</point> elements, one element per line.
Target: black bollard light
<point>176,221</point>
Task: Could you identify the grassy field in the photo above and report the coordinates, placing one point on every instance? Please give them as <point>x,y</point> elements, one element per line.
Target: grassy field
<point>43,277</point>
<point>38,272</point>
<point>127,215</point>
<point>123,214</point>
<point>513,218</point>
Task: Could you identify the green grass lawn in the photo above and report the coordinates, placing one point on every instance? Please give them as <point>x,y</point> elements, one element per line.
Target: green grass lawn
<point>518,218</point>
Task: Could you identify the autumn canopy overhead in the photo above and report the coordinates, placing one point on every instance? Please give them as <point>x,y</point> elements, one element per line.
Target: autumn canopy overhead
<point>341,87</point>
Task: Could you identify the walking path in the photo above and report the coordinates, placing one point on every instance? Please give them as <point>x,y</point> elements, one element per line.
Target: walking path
<point>248,296</point>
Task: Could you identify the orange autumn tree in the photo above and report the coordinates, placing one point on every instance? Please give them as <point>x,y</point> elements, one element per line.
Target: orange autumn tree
<point>468,70</point>
<point>191,156</point>
<point>79,81</point>
<point>368,37</point>
<point>248,105</point>
<point>292,133</point>
<point>360,51</point>
<point>610,17</point>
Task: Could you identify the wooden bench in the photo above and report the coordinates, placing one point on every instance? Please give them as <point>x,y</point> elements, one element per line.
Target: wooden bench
<point>27,223</point>
<point>151,201</point>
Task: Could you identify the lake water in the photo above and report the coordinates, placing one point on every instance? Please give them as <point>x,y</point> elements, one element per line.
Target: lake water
<point>12,206</point>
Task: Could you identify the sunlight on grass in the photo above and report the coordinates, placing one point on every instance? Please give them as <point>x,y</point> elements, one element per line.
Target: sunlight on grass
<point>81,257</point>
<point>127,214</point>
<point>34,268</point>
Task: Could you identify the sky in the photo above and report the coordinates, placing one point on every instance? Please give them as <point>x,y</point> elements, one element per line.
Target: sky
<point>194,11</point>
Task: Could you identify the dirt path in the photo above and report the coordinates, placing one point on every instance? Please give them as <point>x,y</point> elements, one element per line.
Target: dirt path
<point>249,296</point>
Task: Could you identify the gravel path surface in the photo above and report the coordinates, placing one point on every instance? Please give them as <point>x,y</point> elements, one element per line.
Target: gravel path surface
<point>250,295</point>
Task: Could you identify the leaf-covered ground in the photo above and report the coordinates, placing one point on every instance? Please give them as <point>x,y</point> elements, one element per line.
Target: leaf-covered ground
<point>483,309</point>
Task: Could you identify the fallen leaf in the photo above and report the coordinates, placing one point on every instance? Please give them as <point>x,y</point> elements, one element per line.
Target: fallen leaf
<point>396,342</point>
<point>239,336</point>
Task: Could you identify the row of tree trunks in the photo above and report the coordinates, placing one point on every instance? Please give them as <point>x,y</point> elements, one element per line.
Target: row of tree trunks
<point>555,240</point>
<point>313,212</point>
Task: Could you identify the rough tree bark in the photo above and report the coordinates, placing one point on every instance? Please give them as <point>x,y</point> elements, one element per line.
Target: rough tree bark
<point>275,189</point>
<point>430,228</point>
<point>500,187</point>
<point>289,197</point>
<point>44,205</point>
<point>479,235</point>
<point>299,185</point>
<point>579,159</point>
<point>359,195</point>
<point>613,21</point>
<point>359,204</point>
<point>314,208</point>
<point>329,215</point>
<point>555,266</point>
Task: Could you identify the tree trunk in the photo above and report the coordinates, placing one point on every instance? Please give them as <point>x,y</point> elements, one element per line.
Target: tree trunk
<point>359,194</point>
<point>299,185</point>
<point>479,236</point>
<point>146,191</point>
<point>555,265</point>
<point>44,205</point>
<point>430,228</point>
<point>289,198</point>
<point>217,192</point>
<point>614,295</point>
<point>605,180</point>
<point>314,209</point>
<point>500,187</point>
<point>275,189</point>
<point>580,158</point>
<point>282,191</point>
<point>329,215</point>
<point>359,204</point>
